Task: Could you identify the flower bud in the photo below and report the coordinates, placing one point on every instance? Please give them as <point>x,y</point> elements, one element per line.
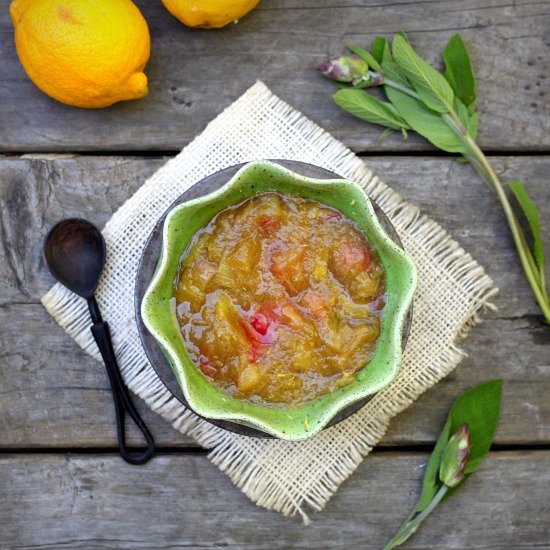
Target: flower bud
<point>346,69</point>
<point>455,456</point>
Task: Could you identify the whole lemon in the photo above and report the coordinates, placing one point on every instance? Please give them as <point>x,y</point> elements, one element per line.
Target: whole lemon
<point>209,14</point>
<point>86,53</point>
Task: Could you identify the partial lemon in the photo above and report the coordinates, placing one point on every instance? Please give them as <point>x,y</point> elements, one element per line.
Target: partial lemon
<point>209,14</point>
<point>86,53</point>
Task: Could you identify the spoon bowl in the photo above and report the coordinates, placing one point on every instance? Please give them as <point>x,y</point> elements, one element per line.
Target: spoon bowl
<point>75,254</point>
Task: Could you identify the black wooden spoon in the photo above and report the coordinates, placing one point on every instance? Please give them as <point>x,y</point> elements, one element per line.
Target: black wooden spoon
<point>74,250</point>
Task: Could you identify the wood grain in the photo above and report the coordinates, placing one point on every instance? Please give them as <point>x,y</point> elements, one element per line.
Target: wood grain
<point>53,501</point>
<point>193,75</point>
<point>54,396</point>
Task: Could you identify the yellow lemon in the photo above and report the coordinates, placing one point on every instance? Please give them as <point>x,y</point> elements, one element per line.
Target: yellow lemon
<point>209,14</point>
<point>86,53</point>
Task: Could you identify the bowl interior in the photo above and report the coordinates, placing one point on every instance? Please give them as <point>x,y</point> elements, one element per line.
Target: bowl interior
<point>157,308</point>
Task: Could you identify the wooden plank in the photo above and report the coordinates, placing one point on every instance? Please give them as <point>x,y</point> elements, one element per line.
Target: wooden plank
<point>53,501</point>
<point>193,74</point>
<point>35,192</point>
<point>54,395</point>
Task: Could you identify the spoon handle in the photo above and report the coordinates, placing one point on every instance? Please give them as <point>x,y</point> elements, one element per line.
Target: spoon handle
<point>122,399</point>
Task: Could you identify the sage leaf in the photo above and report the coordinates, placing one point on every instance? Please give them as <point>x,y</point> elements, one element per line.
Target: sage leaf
<point>392,71</point>
<point>425,122</point>
<point>462,112</point>
<point>473,126</point>
<point>386,53</point>
<point>462,445</point>
<point>431,483</point>
<point>532,215</point>
<point>459,72</point>
<point>386,133</point>
<point>479,408</point>
<point>430,85</point>
<point>366,56</point>
<point>382,53</point>
<point>370,108</point>
<point>469,121</point>
<point>403,35</point>
<point>379,45</point>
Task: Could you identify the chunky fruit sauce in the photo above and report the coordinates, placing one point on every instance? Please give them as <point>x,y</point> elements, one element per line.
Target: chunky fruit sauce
<point>279,300</point>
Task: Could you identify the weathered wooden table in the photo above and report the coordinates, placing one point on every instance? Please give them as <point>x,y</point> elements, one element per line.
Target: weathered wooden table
<point>62,483</point>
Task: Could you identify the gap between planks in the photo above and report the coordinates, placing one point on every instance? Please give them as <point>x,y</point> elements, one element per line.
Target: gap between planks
<point>154,153</point>
<point>160,451</point>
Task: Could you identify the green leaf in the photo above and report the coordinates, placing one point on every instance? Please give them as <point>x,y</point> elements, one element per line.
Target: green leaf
<point>430,85</point>
<point>531,213</point>
<point>381,52</point>
<point>431,483</point>
<point>475,412</point>
<point>462,112</point>
<point>366,56</point>
<point>386,53</point>
<point>472,126</point>
<point>459,72</point>
<point>368,107</point>
<point>390,69</point>
<point>387,132</point>
<point>404,36</point>
<point>427,123</point>
<point>478,407</point>
<point>393,72</point>
<point>469,121</point>
<point>379,44</point>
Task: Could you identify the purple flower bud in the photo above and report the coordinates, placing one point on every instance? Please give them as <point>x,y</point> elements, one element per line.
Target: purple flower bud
<point>346,69</point>
<point>455,456</point>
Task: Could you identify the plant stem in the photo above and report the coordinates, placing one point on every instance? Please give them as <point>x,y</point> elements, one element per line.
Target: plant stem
<point>479,161</point>
<point>392,84</point>
<point>410,527</point>
<point>535,278</point>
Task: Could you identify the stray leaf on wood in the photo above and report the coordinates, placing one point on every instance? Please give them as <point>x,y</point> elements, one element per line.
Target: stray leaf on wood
<point>461,447</point>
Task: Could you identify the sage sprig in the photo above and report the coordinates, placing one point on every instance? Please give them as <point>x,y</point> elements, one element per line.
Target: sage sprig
<point>461,447</point>
<point>441,107</point>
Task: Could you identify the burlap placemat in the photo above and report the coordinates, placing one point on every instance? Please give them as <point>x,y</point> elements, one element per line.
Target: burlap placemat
<point>284,476</point>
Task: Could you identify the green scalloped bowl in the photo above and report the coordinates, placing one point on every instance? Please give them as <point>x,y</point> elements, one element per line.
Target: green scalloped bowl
<point>157,309</point>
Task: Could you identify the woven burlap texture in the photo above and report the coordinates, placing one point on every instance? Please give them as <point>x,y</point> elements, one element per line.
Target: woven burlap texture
<point>288,477</point>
